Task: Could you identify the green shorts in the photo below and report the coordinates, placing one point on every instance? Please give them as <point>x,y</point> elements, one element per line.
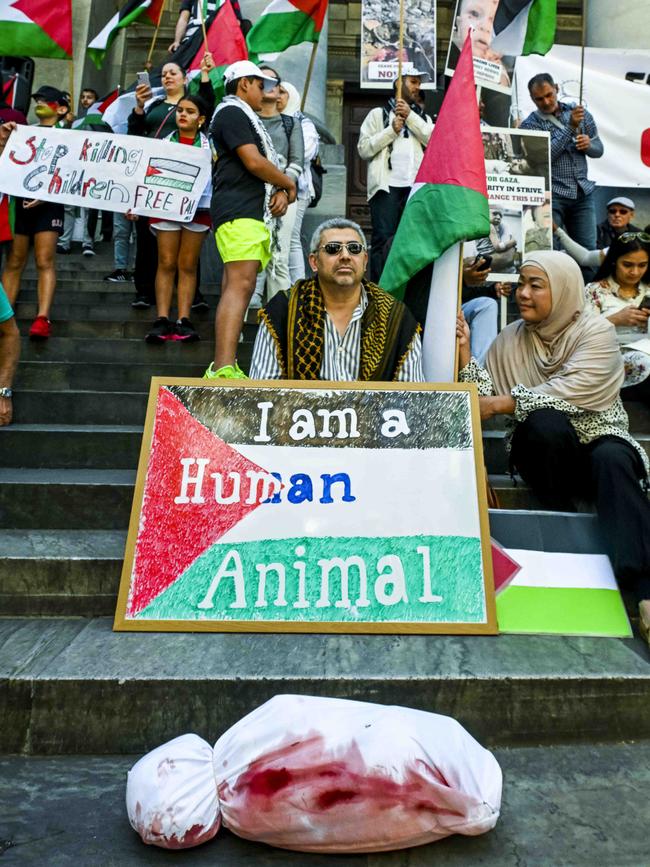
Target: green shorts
<point>244,240</point>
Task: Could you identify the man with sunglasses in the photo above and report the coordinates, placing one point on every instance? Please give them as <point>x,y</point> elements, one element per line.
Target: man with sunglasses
<point>620,212</point>
<point>337,325</point>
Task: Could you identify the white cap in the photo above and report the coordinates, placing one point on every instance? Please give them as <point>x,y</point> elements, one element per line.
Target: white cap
<point>244,69</point>
<point>621,200</point>
<point>416,73</point>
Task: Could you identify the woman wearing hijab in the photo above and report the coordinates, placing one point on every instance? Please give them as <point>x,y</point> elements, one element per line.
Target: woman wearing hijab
<point>557,373</point>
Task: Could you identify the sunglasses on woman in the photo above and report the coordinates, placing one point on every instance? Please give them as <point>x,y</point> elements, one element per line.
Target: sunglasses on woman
<point>627,237</point>
<point>333,248</point>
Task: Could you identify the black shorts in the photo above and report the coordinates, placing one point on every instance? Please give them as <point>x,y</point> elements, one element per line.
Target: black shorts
<point>46,217</point>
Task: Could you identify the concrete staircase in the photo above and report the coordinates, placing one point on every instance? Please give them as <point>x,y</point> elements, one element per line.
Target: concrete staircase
<point>70,685</point>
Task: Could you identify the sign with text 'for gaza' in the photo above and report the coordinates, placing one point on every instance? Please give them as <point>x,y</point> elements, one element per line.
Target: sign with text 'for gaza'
<point>309,507</point>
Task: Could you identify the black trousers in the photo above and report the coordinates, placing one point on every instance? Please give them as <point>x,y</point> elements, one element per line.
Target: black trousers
<point>640,392</point>
<point>385,212</point>
<point>550,458</point>
<point>107,223</point>
<point>146,262</point>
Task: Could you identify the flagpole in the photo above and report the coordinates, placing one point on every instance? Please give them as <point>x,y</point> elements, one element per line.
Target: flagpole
<point>459,293</point>
<point>582,47</point>
<point>71,71</point>
<point>398,91</point>
<point>155,36</point>
<point>202,7</point>
<point>310,69</point>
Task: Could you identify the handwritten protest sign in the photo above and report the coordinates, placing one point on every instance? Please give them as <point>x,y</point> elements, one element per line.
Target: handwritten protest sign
<point>105,171</point>
<point>309,507</point>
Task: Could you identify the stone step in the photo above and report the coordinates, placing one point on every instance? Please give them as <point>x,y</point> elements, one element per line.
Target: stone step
<point>65,499</point>
<point>60,572</point>
<point>73,685</point>
<point>116,351</point>
<point>101,293</point>
<point>77,572</point>
<point>557,808</point>
<point>100,499</point>
<point>80,407</point>
<point>102,447</point>
<point>84,313</point>
<point>117,329</point>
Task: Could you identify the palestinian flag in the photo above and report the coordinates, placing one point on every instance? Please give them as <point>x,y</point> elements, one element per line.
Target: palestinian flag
<point>37,28</point>
<point>131,11</point>
<point>448,200</point>
<point>284,23</point>
<point>524,27</point>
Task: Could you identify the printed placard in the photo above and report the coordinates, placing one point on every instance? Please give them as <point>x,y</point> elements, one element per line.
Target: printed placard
<point>380,41</point>
<point>518,172</point>
<point>309,507</point>
<point>109,172</point>
<point>491,69</point>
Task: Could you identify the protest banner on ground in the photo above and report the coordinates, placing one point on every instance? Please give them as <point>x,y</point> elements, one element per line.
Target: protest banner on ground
<point>518,172</point>
<point>104,171</point>
<point>616,93</point>
<point>491,69</point>
<point>380,41</point>
<point>309,507</point>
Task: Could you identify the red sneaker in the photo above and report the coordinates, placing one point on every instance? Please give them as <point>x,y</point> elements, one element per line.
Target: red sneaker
<point>41,328</point>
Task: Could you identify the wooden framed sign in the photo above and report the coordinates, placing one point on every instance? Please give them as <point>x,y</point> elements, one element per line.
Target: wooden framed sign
<point>309,507</point>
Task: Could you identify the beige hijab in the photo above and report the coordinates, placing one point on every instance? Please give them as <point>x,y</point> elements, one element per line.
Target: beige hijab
<point>572,355</point>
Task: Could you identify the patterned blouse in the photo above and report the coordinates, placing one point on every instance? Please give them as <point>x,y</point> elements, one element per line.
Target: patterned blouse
<point>587,425</point>
<point>604,298</point>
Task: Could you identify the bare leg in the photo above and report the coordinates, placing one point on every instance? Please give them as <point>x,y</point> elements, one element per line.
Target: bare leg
<point>188,260</point>
<point>236,291</point>
<point>168,247</point>
<point>16,261</point>
<point>45,255</point>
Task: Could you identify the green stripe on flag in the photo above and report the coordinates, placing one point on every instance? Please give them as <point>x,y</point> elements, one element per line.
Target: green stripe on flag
<point>384,559</point>
<point>562,611</point>
<point>278,30</point>
<point>540,32</point>
<point>435,217</point>
<point>29,39</point>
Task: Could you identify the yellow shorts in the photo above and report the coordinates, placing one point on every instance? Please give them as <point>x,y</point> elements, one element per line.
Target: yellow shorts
<point>244,240</point>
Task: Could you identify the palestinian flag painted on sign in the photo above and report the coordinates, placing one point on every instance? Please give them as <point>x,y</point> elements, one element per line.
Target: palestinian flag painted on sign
<point>36,28</point>
<point>284,23</point>
<point>524,27</point>
<point>448,200</point>
<point>249,492</point>
<point>132,10</point>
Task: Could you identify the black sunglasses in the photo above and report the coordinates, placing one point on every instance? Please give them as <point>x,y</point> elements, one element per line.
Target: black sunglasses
<point>333,248</point>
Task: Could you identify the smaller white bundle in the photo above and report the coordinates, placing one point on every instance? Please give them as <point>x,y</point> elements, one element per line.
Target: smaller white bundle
<point>171,795</point>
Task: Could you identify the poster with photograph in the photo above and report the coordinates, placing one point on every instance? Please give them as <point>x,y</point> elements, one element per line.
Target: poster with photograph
<point>491,69</point>
<point>518,171</point>
<point>380,41</point>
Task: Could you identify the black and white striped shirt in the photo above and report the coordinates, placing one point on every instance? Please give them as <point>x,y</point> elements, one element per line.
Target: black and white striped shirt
<point>341,355</point>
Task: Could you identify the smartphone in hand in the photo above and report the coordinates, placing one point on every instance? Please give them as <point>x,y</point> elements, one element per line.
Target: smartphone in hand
<point>142,78</point>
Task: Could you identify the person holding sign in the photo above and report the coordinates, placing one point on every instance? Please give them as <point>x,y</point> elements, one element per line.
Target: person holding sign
<point>40,221</point>
<point>179,244</point>
<point>336,325</point>
<point>250,193</point>
<point>556,372</point>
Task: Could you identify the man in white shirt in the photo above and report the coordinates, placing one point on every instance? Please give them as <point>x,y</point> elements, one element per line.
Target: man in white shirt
<point>336,325</point>
<point>392,139</point>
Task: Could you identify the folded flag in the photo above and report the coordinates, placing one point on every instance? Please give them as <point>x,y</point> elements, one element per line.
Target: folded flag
<point>37,28</point>
<point>284,23</point>
<point>524,27</point>
<point>448,200</point>
<point>131,11</point>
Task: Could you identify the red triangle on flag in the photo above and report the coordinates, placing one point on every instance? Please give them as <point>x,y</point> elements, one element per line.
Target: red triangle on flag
<point>151,170</point>
<point>54,18</point>
<point>171,536</point>
<point>504,567</point>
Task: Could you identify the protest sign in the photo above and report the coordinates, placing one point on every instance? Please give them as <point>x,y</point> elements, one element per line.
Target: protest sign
<point>309,507</point>
<point>616,92</point>
<point>491,69</point>
<point>518,172</point>
<point>380,41</point>
<point>104,171</point>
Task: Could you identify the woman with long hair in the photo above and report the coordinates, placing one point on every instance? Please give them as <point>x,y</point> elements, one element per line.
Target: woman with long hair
<point>619,292</point>
<point>556,374</point>
<point>179,244</point>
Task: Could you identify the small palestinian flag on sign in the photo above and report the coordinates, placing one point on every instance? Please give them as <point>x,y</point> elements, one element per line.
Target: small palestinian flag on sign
<point>151,10</point>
